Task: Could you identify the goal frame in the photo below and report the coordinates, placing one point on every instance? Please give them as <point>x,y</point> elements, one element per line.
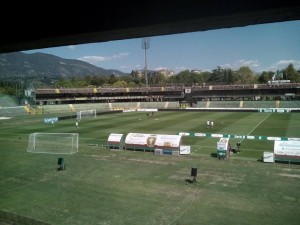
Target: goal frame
<point>92,112</point>
<point>62,143</point>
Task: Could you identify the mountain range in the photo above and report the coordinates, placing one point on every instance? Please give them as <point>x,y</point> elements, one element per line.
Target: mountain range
<point>39,66</point>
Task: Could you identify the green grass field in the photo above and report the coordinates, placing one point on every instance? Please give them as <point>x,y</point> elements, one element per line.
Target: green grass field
<point>114,187</point>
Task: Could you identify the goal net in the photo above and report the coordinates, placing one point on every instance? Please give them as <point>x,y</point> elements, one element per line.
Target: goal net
<point>53,143</point>
<point>86,114</point>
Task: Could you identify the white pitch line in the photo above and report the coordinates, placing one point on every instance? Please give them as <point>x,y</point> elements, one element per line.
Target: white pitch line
<point>257,126</point>
<point>186,209</point>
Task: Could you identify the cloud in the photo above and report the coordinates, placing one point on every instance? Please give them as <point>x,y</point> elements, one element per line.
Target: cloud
<point>120,55</point>
<point>206,70</point>
<point>179,69</point>
<point>283,64</point>
<point>161,68</point>
<point>129,67</point>
<point>98,59</point>
<point>253,64</point>
<point>72,47</point>
<point>135,66</point>
<point>93,59</point>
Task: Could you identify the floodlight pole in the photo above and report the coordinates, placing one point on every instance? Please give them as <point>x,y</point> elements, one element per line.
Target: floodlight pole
<point>145,46</point>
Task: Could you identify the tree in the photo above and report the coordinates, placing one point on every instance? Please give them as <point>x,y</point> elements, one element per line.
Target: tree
<point>265,77</point>
<point>227,76</point>
<point>120,83</point>
<point>112,79</point>
<point>63,83</point>
<point>291,73</point>
<point>217,75</point>
<point>181,77</point>
<point>245,75</point>
<point>98,80</point>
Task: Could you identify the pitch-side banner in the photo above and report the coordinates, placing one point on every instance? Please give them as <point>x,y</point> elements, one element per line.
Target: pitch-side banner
<point>153,140</point>
<point>291,148</point>
<point>184,150</point>
<point>268,157</point>
<point>268,110</point>
<point>238,136</point>
<point>49,120</point>
<point>222,144</point>
<point>113,137</point>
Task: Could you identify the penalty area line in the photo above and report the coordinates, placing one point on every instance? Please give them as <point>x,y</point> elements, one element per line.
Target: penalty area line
<point>187,208</point>
<point>257,126</point>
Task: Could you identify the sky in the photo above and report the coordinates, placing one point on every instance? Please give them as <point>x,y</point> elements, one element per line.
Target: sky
<point>265,47</point>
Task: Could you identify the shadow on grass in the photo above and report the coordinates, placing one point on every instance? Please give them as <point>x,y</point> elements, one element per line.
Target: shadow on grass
<point>279,161</point>
<point>287,162</point>
<point>188,181</point>
<point>214,155</point>
<point>61,168</point>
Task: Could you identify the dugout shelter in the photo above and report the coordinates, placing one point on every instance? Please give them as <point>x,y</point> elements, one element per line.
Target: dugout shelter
<point>168,144</point>
<point>288,151</point>
<point>115,141</point>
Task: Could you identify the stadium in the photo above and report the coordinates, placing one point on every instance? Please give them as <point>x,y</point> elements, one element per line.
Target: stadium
<point>104,181</point>
<point>148,155</point>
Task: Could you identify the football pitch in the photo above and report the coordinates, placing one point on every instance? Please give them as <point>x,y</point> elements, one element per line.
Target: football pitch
<point>118,187</point>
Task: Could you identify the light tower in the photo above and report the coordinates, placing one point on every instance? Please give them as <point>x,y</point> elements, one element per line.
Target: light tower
<point>145,46</point>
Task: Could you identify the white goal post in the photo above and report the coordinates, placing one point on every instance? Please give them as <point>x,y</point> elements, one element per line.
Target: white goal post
<point>86,114</point>
<point>53,143</point>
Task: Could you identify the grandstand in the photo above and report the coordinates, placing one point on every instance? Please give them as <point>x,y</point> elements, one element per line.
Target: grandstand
<point>12,111</point>
<point>249,104</point>
<point>68,101</point>
<point>71,100</point>
<point>204,96</point>
<point>179,93</point>
<point>9,107</point>
<point>220,104</point>
<point>289,104</point>
<point>101,95</point>
<point>260,104</point>
<point>70,109</point>
<point>7,101</point>
<point>288,91</point>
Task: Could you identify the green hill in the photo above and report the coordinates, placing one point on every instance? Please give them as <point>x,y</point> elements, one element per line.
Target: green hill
<point>42,66</point>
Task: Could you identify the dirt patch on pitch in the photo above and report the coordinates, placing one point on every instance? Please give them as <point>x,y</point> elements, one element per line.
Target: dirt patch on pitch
<point>99,157</point>
<point>150,161</point>
<point>224,179</point>
<point>5,118</point>
<point>289,175</point>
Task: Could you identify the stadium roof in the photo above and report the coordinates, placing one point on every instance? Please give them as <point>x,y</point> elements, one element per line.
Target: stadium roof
<point>48,24</point>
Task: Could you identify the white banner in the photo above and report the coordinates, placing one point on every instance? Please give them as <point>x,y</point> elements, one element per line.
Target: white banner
<point>185,150</point>
<point>200,134</point>
<point>147,110</point>
<point>49,120</point>
<point>153,140</point>
<point>268,157</point>
<point>113,137</point>
<point>222,144</point>
<point>291,148</point>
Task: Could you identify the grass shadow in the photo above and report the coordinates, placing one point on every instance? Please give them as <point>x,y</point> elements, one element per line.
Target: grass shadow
<point>188,181</point>
<point>214,155</point>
